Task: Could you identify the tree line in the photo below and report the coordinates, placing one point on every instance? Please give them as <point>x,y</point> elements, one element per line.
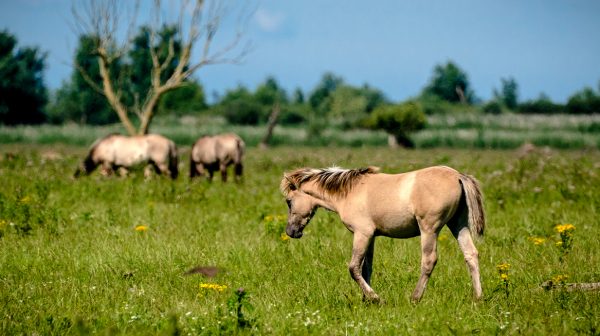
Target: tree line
<point>24,98</point>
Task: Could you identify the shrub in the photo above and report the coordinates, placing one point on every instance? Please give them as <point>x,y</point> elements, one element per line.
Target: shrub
<point>243,112</point>
<point>492,107</point>
<point>584,102</point>
<point>542,105</point>
<point>398,121</point>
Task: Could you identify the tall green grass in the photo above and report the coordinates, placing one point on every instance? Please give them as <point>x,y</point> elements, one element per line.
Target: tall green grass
<point>72,261</point>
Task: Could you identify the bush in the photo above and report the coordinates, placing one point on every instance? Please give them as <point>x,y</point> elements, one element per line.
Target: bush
<point>584,102</point>
<point>542,105</point>
<point>294,114</point>
<point>398,120</point>
<point>243,112</point>
<point>492,107</point>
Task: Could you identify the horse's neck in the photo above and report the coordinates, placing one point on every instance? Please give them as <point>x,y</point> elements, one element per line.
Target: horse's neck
<point>322,198</point>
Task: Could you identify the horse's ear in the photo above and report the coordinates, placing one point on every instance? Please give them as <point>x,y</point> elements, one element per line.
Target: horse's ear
<point>292,185</point>
<point>373,169</point>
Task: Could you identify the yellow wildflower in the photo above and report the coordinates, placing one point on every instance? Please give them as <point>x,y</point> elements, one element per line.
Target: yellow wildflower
<point>503,267</point>
<point>141,228</point>
<point>25,199</point>
<point>443,237</point>
<point>564,228</point>
<point>558,279</point>
<point>269,218</point>
<point>559,243</point>
<point>216,287</point>
<point>284,236</point>
<point>504,276</point>
<point>537,240</point>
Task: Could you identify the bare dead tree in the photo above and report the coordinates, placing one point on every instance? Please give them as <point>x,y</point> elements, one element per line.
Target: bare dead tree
<point>273,118</point>
<point>198,22</point>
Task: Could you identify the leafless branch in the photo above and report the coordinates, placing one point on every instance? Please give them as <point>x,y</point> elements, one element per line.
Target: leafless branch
<point>88,79</point>
<point>197,24</point>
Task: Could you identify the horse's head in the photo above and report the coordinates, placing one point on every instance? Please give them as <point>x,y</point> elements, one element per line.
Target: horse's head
<point>302,208</point>
<point>86,167</point>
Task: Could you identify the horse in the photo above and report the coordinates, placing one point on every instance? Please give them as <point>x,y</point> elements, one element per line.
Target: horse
<point>217,152</point>
<point>116,152</point>
<point>371,204</point>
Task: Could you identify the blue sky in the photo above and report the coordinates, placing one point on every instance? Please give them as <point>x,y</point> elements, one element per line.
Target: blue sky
<point>547,46</point>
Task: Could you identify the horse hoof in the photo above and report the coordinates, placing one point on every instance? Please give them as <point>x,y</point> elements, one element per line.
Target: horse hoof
<point>372,299</point>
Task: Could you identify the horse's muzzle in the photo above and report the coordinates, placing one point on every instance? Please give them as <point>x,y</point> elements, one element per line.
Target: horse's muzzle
<point>293,232</point>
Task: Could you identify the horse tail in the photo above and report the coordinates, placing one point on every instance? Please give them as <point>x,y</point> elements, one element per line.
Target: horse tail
<point>239,167</point>
<point>173,160</point>
<point>193,171</point>
<point>474,200</point>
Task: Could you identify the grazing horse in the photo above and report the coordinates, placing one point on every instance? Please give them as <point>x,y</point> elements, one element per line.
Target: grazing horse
<point>405,205</point>
<point>217,152</point>
<point>118,152</point>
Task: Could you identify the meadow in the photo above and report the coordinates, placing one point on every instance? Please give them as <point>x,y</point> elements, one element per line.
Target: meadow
<point>110,255</point>
<point>453,130</point>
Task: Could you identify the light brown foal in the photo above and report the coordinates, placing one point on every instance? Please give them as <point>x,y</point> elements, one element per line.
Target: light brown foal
<point>217,152</point>
<point>405,205</point>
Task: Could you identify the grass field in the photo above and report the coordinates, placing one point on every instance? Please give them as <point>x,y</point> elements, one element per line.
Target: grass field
<point>108,255</point>
<point>462,130</point>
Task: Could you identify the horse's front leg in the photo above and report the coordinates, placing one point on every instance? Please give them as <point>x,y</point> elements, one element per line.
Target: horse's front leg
<point>361,264</point>
<point>106,169</point>
<point>367,267</point>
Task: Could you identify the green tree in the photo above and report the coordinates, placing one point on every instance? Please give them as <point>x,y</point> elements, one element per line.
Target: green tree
<point>320,98</point>
<point>348,105</point>
<point>298,96</point>
<point>508,95</point>
<point>187,99</point>
<point>239,106</point>
<point>399,121</point>
<point>450,83</point>
<point>23,94</point>
<point>585,101</point>
<point>269,93</point>
<point>76,100</point>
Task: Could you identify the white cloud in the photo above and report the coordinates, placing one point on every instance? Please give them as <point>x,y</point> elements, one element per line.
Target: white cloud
<point>269,21</point>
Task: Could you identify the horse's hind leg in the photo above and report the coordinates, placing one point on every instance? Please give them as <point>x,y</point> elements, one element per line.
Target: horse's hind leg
<point>162,168</point>
<point>239,170</point>
<point>460,230</point>
<point>362,250</point>
<point>428,261</point>
<point>223,169</point>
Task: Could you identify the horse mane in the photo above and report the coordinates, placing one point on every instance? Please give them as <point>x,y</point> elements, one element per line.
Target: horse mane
<point>334,180</point>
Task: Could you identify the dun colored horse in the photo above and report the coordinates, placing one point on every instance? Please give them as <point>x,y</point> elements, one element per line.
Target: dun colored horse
<point>210,153</point>
<point>118,152</point>
<point>405,205</point>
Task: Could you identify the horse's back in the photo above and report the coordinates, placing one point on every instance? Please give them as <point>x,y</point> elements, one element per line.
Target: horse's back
<point>229,147</point>
<point>159,147</point>
<point>106,149</point>
<point>395,201</point>
<point>436,192</point>
<point>204,150</point>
